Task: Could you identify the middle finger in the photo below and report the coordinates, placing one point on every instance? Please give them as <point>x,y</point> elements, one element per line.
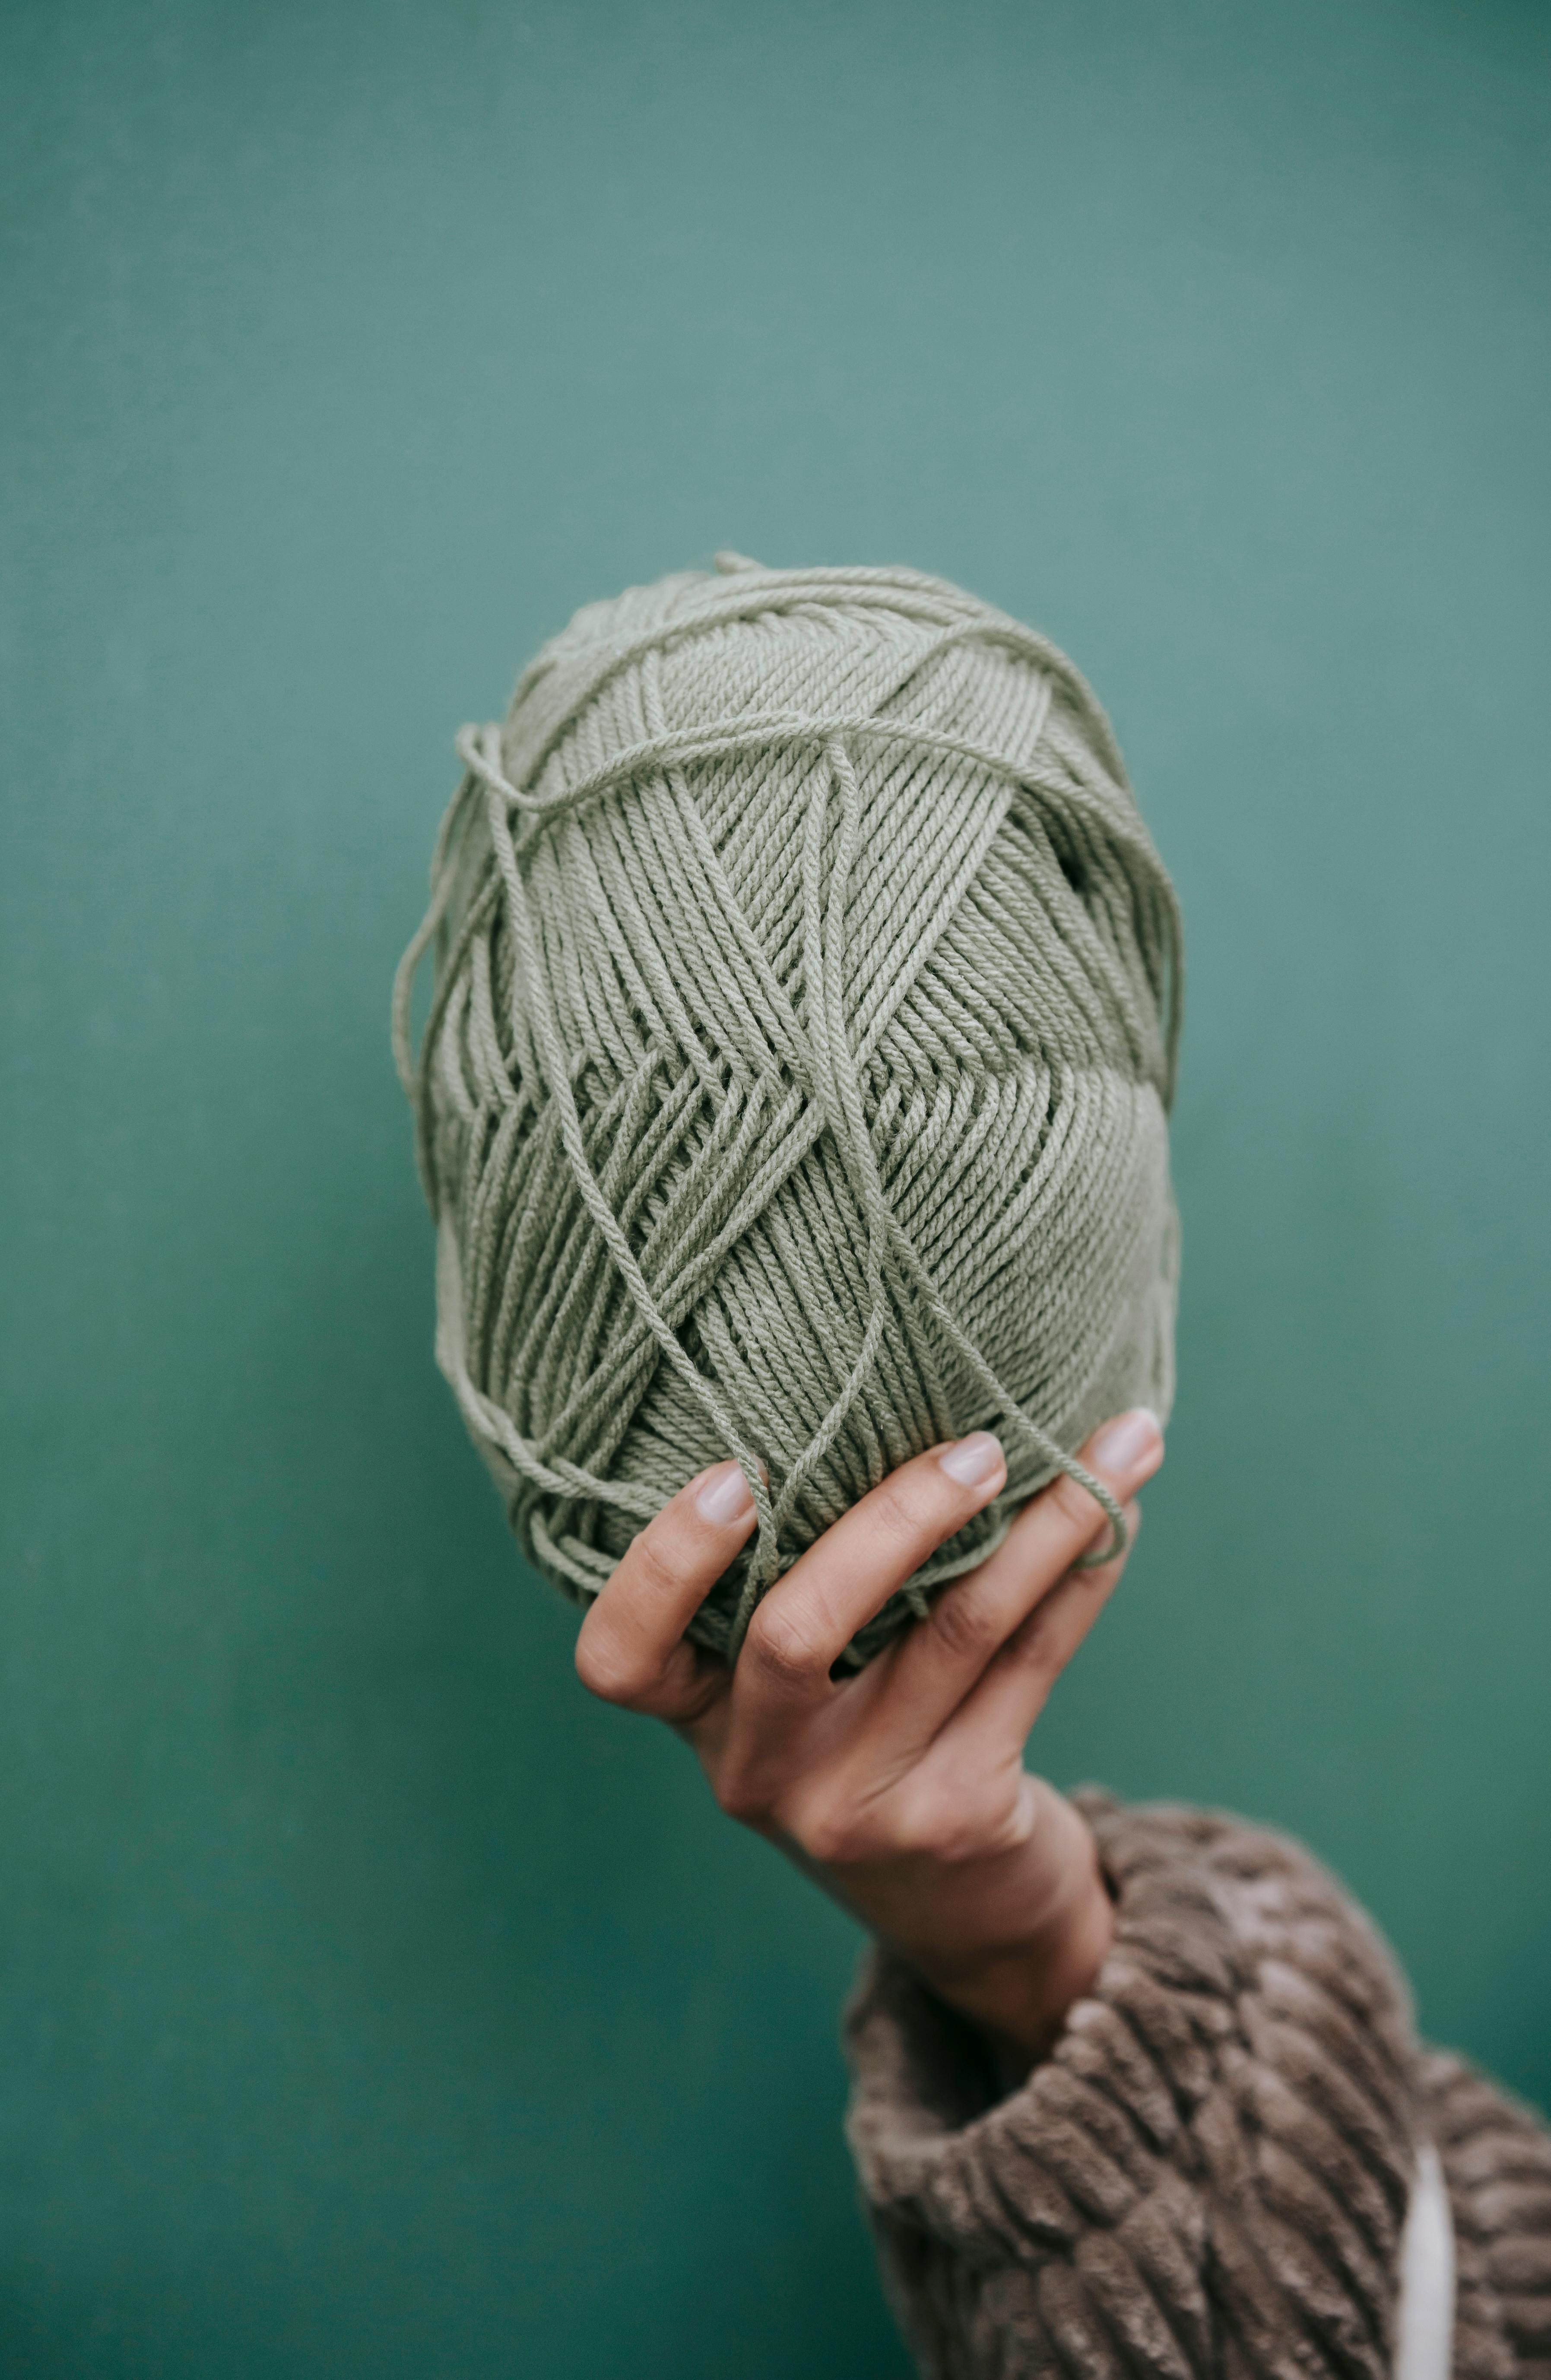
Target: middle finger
<point>940,1660</point>
<point>808,1618</point>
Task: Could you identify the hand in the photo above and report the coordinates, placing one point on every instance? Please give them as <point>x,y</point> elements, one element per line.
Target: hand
<point>901,1791</point>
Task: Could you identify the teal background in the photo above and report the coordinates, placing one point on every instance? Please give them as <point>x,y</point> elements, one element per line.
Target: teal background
<point>373,2004</point>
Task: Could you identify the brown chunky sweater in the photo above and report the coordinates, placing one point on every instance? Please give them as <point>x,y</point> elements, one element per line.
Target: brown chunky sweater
<point>1209,2174</point>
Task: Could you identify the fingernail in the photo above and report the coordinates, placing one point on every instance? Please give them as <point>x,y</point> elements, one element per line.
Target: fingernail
<point>725,1495</point>
<point>974,1459</point>
<point>1127,1444</point>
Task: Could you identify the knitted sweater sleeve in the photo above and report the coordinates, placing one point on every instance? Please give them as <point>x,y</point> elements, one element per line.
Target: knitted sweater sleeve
<point>1210,2172</point>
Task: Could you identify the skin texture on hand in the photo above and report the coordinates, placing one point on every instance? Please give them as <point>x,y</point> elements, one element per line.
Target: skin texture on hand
<point>901,1791</point>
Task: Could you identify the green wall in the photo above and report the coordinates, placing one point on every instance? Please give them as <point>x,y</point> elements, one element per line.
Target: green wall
<point>373,2005</point>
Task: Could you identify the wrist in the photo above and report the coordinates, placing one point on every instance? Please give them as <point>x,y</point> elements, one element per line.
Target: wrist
<point>1031,1932</point>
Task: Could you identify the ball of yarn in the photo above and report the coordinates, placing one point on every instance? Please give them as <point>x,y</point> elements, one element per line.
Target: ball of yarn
<point>794,1084</point>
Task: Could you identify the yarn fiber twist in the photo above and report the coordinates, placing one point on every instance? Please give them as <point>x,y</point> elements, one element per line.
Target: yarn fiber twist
<point>795,1078</point>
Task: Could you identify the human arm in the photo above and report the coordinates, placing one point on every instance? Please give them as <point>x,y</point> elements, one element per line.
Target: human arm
<point>1210,2164</point>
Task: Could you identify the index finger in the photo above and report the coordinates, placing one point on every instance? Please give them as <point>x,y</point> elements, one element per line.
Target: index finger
<point>632,1648</point>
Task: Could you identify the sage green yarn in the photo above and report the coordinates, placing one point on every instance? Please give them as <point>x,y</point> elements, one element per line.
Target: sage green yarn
<point>795,1080</point>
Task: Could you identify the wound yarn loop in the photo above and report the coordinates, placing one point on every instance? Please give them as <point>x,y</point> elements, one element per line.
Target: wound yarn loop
<point>795,1079</point>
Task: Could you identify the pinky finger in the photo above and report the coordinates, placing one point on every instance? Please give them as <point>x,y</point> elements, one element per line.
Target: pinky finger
<point>1016,1684</point>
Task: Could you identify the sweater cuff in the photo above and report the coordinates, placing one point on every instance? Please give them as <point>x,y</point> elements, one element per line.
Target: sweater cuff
<point>1219,2149</point>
